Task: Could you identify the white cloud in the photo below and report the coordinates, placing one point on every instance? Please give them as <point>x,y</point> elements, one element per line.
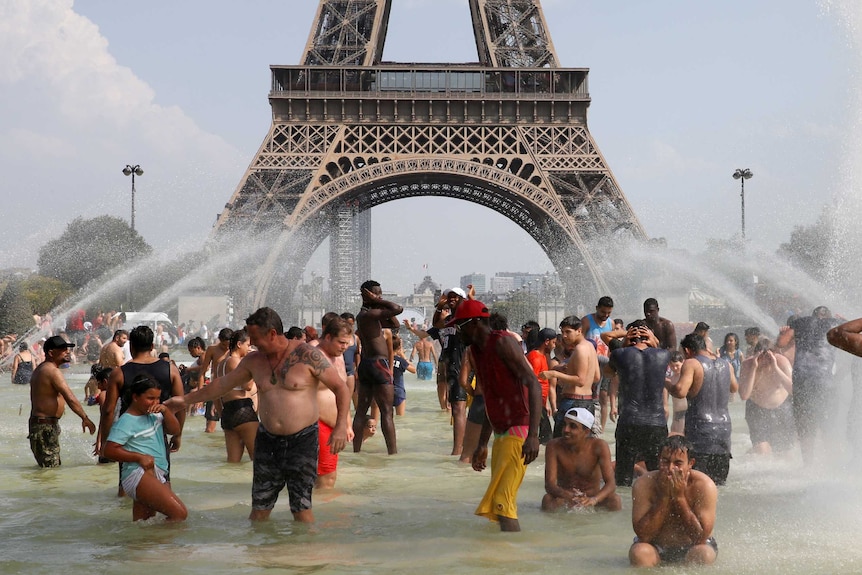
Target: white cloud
<point>71,117</point>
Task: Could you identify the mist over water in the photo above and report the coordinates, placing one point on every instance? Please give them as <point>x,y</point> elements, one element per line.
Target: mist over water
<point>843,270</point>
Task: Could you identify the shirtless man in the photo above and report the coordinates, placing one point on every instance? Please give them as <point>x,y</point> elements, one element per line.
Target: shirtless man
<point>424,349</point>
<point>336,337</point>
<point>213,356</point>
<point>578,468</point>
<point>577,376</point>
<point>661,327</point>
<point>287,374</point>
<point>112,353</point>
<point>374,375</point>
<point>49,395</point>
<point>765,383</point>
<point>673,511</point>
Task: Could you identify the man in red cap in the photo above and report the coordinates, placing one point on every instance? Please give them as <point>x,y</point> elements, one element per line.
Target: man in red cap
<point>513,403</point>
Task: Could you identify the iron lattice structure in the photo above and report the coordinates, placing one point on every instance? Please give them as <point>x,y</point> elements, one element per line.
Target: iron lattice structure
<point>349,133</point>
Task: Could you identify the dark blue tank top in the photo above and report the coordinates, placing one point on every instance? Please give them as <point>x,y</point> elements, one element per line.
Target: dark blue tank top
<point>707,420</point>
<point>641,373</point>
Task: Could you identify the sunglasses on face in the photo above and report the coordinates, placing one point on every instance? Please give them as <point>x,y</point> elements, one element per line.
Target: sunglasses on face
<point>460,325</point>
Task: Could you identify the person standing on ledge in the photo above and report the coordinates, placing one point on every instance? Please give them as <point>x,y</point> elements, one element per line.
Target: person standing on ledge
<point>673,511</point>
<point>49,394</point>
<point>513,405</point>
<point>375,372</point>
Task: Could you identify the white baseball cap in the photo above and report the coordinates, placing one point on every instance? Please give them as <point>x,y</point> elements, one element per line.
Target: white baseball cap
<point>582,416</point>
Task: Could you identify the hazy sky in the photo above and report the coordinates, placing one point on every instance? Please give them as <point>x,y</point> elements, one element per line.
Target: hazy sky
<point>683,94</point>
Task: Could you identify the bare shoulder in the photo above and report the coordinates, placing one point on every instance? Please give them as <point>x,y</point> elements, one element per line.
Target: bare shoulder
<point>643,486</point>
<point>600,446</point>
<point>308,355</point>
<point>701,484</point>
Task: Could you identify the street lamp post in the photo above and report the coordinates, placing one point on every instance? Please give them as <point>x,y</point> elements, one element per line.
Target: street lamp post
<point>133,171</point>
<point>742,174</point>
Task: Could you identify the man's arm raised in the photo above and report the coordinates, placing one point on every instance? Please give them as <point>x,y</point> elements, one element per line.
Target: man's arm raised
<point>217,388</point>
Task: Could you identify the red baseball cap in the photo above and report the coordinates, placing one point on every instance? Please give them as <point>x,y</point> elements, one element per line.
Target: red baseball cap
<point>468,309</point>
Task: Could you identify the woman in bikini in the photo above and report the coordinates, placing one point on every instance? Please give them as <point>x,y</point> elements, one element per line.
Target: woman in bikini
<point>238,414</point>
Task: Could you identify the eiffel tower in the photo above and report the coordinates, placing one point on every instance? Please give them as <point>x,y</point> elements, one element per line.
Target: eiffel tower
<point>350,132</point>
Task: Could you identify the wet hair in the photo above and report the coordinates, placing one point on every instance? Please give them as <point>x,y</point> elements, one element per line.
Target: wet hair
<point>734,336</point>
<point>266,318</point>
<point>677,443</point>
<point>294,333</point>
<point>649,302</point>
<point>327,317</point>
<point>335,326</point>
<point>531,326</point>
<point>310,333</point>
<point>196,342</point>
<point>347,316</point>
<point>23,346</point>
<point>141,339</point>
<point>225,334</point>
<point>637,323</point>
<point>103,373</point>
<point>498,322</point>
<point>238,337</point>
<point>762,344</point>
<point>677,355</point>
<point>615,343</point>
<point>606,301</point>
<point>396,341</point>
<point>752,331</point>
<point>142,383</point>
<point>164,355</point>
<point>367,285</point>
<point>118,333</point>
<point>693,343</point>
<point>571,321</point>
<point>821,311</point>
<point>619,321</point>
<point>531,339</point>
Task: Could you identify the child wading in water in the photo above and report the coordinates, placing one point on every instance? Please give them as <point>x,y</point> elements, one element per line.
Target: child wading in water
<point>137,440</point>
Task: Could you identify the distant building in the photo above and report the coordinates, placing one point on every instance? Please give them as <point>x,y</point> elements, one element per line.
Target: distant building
<point>476,280</point>
<point>503,282</point>
<point>424,295</point>
<point>501,285</point>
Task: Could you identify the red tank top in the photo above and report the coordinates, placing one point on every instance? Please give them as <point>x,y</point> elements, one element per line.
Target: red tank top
<point>506,398</point>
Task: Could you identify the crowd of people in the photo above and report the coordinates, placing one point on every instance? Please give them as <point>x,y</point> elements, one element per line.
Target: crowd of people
<point>283,397</point>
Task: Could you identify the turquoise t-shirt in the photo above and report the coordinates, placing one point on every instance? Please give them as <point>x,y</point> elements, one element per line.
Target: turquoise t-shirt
<point>141,434</point>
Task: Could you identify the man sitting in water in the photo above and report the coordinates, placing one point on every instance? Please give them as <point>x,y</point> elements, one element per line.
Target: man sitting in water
<point>673,511</point>
<point>576,465</point>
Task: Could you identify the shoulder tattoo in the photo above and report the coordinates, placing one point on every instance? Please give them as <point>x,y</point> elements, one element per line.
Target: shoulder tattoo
<point>310,356</point>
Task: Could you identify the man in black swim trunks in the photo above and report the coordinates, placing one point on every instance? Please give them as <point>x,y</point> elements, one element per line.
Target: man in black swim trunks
<point>374,374</point>
<point>673,511</point>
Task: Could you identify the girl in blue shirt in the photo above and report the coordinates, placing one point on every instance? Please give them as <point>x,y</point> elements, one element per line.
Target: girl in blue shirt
<point>137,440</point>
